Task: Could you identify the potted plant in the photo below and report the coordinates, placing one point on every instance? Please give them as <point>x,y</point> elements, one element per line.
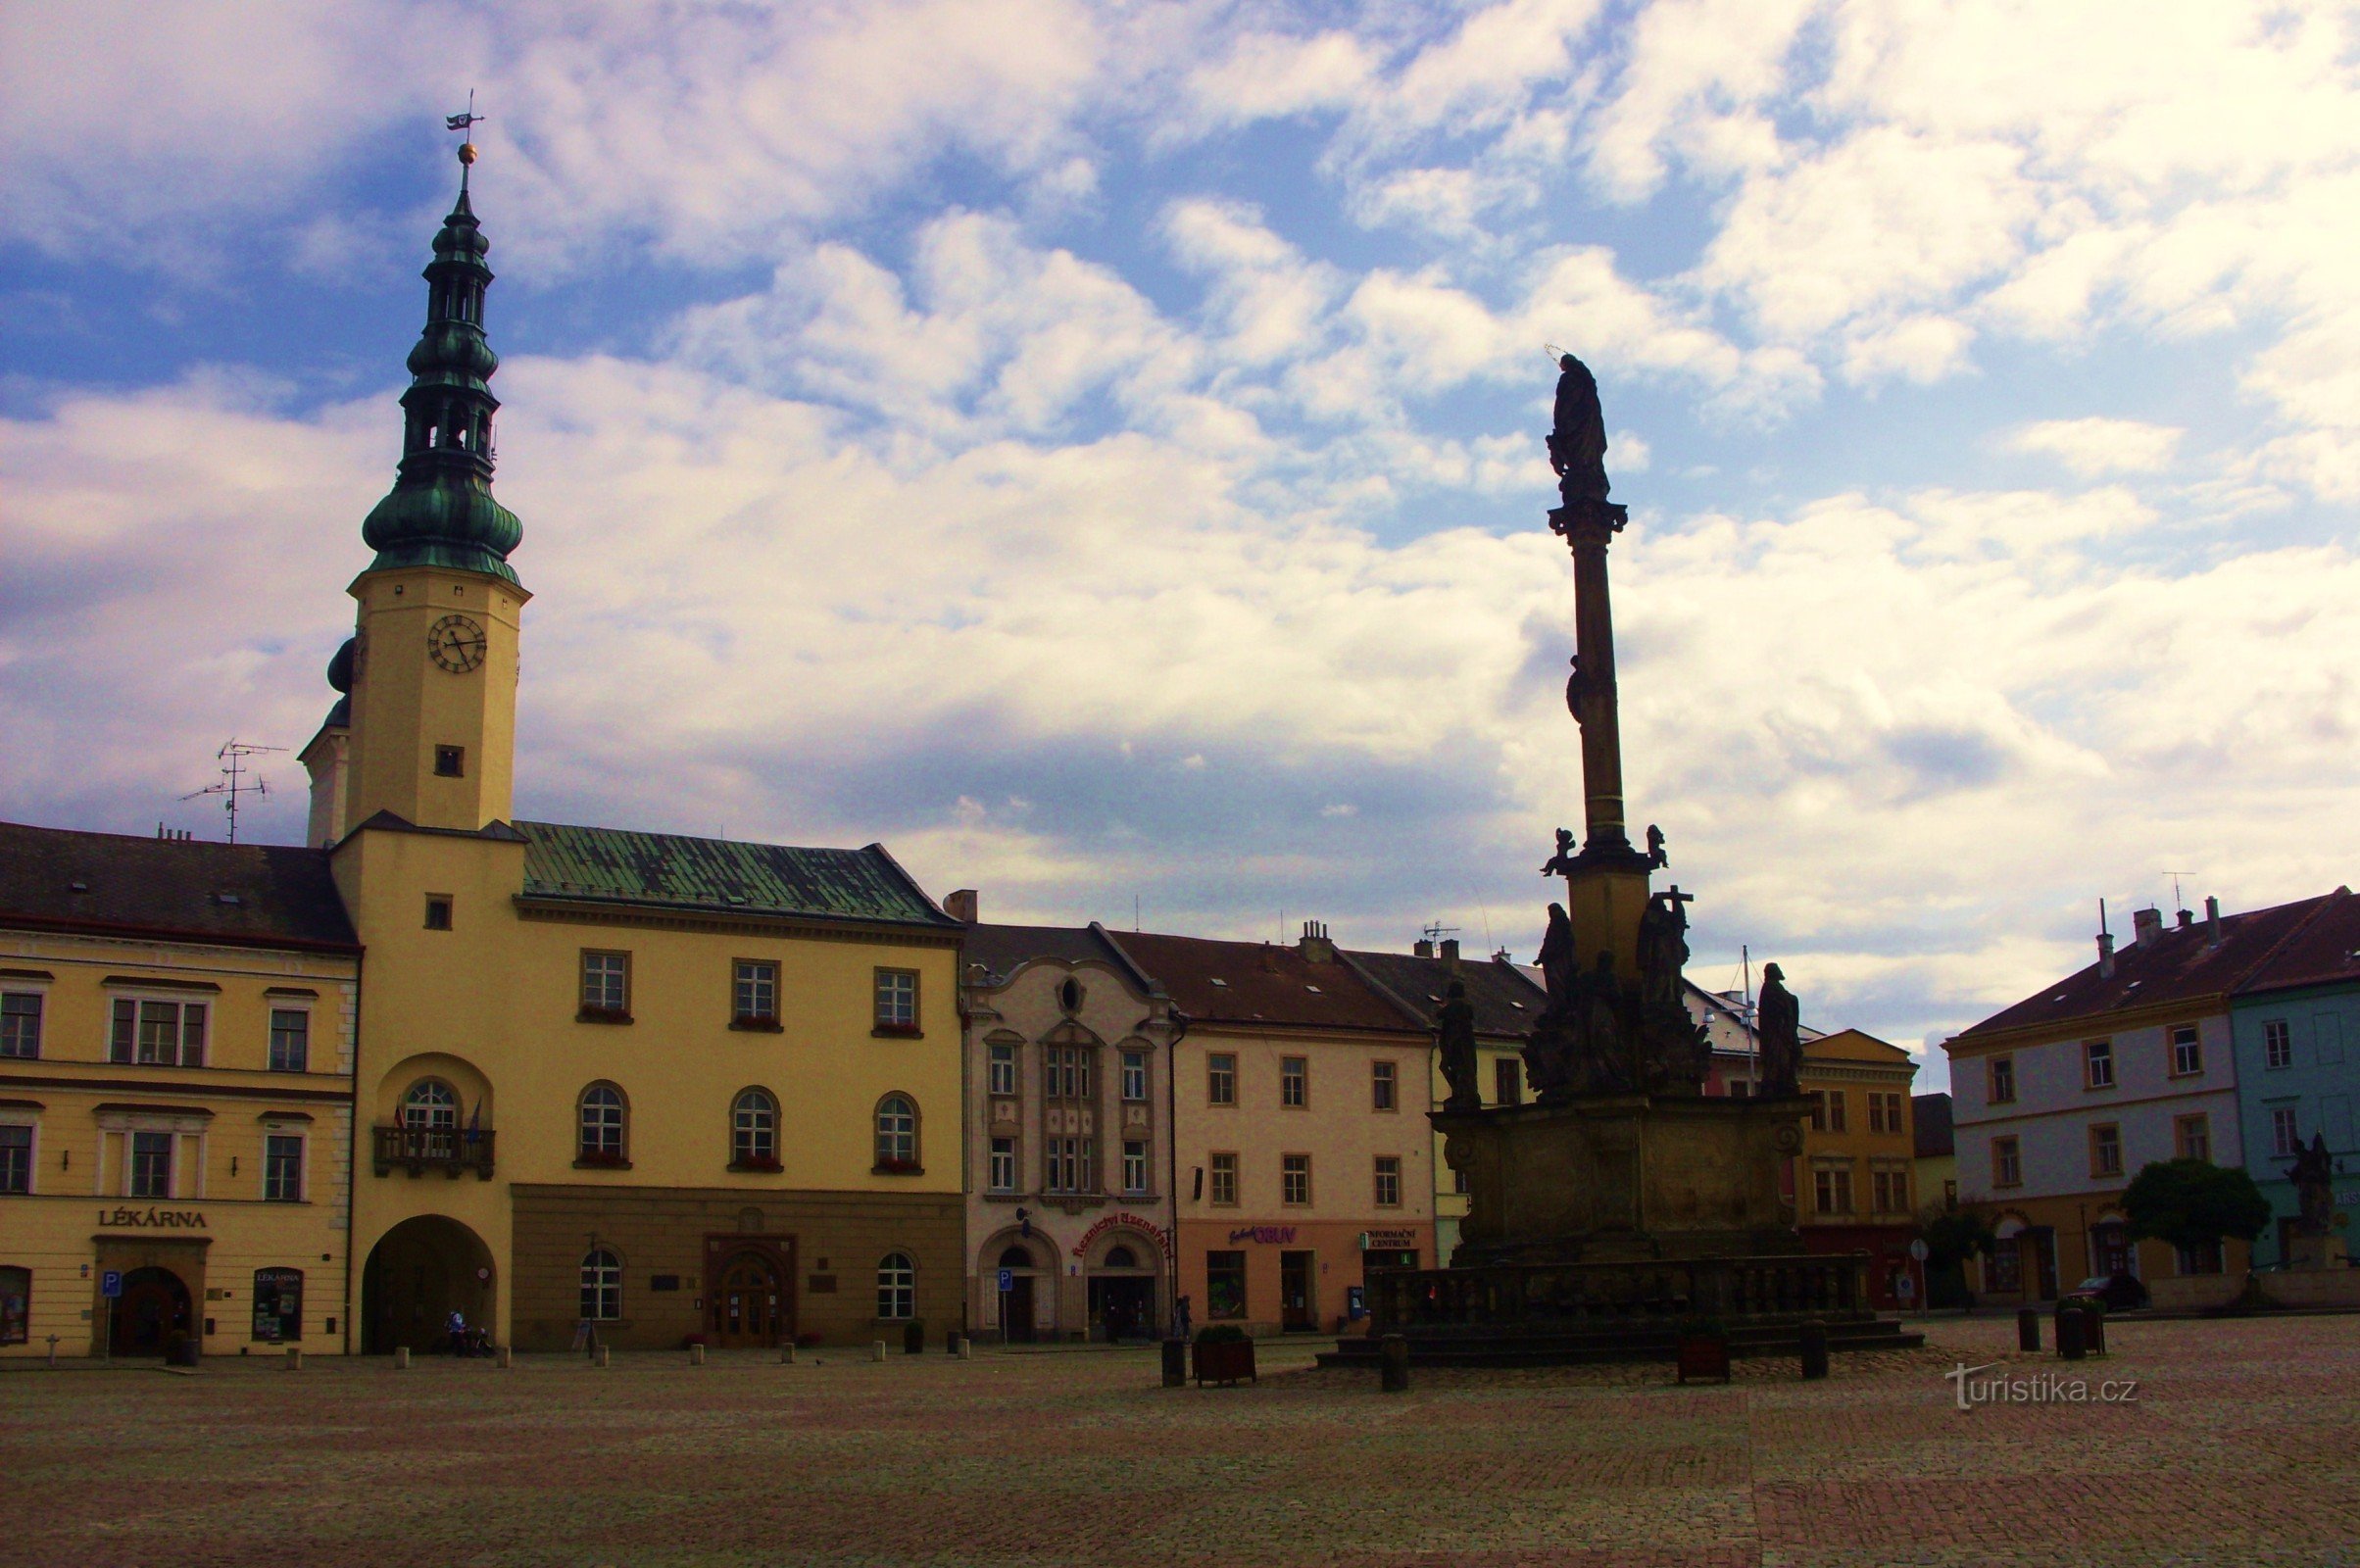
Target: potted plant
<point>1703,1349</point>
<point>1223,1354</point>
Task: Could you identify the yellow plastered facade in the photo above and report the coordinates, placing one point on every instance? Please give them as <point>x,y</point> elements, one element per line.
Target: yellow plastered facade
<point>404,705</point>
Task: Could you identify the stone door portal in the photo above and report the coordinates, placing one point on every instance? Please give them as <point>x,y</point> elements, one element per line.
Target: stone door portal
<point>747,1303</point>
<point>153,1304</point>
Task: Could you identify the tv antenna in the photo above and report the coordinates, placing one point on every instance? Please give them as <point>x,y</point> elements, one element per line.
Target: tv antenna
<point>2177,903</point>
<point>1437,931</point>
<point>234,780</point>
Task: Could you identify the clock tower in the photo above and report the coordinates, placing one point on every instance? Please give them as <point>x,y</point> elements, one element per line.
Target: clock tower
<point>431,672</point>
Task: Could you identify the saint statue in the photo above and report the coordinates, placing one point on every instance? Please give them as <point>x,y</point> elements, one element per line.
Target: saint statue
<point>1779,1026</point>
<point>1454,1039</point>
<point>1577,446</point>
<point>2314,1177</point>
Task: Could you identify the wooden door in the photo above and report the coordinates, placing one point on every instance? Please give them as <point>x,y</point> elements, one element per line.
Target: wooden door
<point>1017,1311</point>
<point>1296,1308</point>
<point>747,1309</point>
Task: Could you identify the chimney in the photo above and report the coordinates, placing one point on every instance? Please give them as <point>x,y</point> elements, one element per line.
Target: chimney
<point>2146,926</point>
<point>1423,948</point>
<point>1316,947</point>
<point>2212,922</point>
<point>961,907</point>
<point>2188,918</point>
<point>1451,950</point>
<point>2105,955</point>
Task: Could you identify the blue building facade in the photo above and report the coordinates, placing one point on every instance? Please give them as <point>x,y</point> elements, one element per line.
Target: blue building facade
<point>2295,1025</point>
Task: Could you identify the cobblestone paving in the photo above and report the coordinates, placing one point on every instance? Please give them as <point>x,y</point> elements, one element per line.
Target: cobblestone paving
<point>2242,1447</point>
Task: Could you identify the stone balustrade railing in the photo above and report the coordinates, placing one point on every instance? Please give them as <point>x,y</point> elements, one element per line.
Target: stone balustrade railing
<point>1525,1297</point>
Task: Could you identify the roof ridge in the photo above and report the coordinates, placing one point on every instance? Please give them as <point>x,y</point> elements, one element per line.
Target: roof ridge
<point>2324,901</point>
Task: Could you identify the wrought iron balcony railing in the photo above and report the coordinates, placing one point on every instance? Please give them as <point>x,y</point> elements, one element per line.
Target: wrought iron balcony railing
<point>448,1150</point>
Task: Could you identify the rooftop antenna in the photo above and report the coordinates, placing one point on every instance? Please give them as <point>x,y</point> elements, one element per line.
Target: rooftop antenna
<point>1437,931</point>
<point>232,757</point>
<point>2176,876</point>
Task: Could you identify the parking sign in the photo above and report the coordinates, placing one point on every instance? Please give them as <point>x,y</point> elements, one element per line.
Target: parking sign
<point>109,1283</point>
<point>1008,1279</point>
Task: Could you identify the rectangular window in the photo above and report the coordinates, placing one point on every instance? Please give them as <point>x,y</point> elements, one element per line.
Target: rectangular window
<point>1134,1166</point>
<point>2188,1051</point>
<point>16,1157</point>
<point>1508,1080</point>
<point>2003,1271</point>
<point>450,761</point>
<point>2326,1038</point>
<point>438,912</point>
<point>2192,1137</point>
<point>754,991</point>
<point>1875,1111</point>
<point>2007,1162</point>
<point>290,1039</point>
<point>2105,1150</point>
<point>2278,1045</point>
<point>1459,1182</point>
<point>1065,1072</point>
<point>1739,1089</point>
<point>1071,1165</point>
<point>2003,1080</point>
<point>1294,1082</point>
<point>1225,1181</point>
<point>1819,1110</point>
<point>2284,1137</point>
<point>1221,1079</point>
<point>1003,1165</point>
<point>1224,1285</point>
<point>1135,1076</point>
<point>21,1024</point>
<point>282,1168</point>
<point>897,1000</point>
<point>2200,1259</point>
<point>1892,1192</point>
<point>151,1164</point>
<point>1833,1190</point>
<point>1294,1179</point>
<point>607,984</point>
<point>1381,1086</point>
<point>2097,1064</point>
<point>1389,1181</point>
<point>1835,1100</point>
<point>159,1034</point>
<point>1002,1073</point>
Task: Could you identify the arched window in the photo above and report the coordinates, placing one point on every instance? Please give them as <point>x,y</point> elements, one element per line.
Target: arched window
<point>602,1286</point>
<point>897,1133</point>
<point>1017,1257</point>
<point>1121,1258</point>
<point>897,1287</point>
<point>753,1128</point>
<point>601,1118</point>
<point>430,1119</point>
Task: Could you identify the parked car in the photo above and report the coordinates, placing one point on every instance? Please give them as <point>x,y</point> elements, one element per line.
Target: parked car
<point>2120,1291</point>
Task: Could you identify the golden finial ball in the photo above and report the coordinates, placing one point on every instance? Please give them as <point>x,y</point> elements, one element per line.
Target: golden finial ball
<point>466,152</point>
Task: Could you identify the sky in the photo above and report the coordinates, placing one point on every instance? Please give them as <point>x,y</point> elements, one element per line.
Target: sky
<point>1094,449</point>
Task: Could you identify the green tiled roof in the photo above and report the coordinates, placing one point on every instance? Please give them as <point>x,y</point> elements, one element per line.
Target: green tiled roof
<point>610,865</point>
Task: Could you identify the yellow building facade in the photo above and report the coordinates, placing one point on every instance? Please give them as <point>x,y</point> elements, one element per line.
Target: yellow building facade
<point>1856,1176</point>
<point>177,1054</point>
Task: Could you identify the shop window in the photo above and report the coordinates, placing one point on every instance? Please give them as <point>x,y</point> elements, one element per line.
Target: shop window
<point>897,1133</point>
<point>601,1117</point>
<point>1294,1082</point>
<point>279,1306</point>
<point>1225,1181</point>
<point>1221,1078</point>
<point>754,992</point>
<point>602,1286</point>
<point>2003,1271</point>
<point>290,1039</point>
<point>1135,1076</point>
<point>1003,1176</point>
<point>16,1305</point>
<point>1224,1285</point>
<point>1382,1086</point>
<point>1134,1166</point>
<point>20,1023</point>
<point>1003,1074</point>
<point>282,1168</point>
<point>1389,1181</point>
<point>897,1287</point>
<point>754,1131</point>
<point>158,1034</point>
<point>151,1165</point>
<point>1295,1180</point>
<point>897,1001</point>
<point>16,1157</point>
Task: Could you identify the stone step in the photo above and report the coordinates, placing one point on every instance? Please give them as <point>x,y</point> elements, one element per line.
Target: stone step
<point>1634,1342</point>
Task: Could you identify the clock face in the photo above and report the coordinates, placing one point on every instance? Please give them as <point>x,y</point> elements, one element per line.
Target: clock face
<point>456,644</point>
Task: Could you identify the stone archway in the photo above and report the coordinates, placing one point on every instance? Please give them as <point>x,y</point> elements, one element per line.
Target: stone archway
<point>155,1304</point>
<point>417,1275</point>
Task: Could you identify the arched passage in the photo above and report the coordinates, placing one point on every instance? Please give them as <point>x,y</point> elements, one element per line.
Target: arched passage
<point>154,1304</point>
<point>417,1275</point>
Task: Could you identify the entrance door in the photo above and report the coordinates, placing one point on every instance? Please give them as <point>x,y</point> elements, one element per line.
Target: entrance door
<point>154,1302</point>
<point>1017,1311</point>
<point>2044,1244</point>
<point>747,1309</point>
<point>1297,1311</point>
<point>1122,1307</point>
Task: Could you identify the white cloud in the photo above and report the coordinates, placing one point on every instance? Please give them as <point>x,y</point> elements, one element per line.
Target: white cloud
<point>2097,445</point>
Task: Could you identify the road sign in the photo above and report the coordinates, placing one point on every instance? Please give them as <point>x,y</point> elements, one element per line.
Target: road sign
<point>1918,1250</point>
<point>1008,1279</point>
<point>109,1283</point>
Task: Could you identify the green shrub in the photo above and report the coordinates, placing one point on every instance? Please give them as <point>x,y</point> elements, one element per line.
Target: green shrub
<point>1221,1334</point>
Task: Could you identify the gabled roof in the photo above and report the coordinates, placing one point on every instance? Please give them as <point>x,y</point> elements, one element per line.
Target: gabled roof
<point>1507,1005</point>
<point>249,894</point>
<point>1257,983</point>
<point>672,871</point>
<point>2325,951</point>
<point>1930,1120</point>
<point>2179,964</point>
<point>1002,949</point>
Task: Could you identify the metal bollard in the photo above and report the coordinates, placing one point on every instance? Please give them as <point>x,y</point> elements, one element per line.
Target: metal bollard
<point>1175,1363</point>
<point>294,1357</point>
<point>2028,1328</point>
<point>604,1357</point>
<point>401,1358</point>
<point>696,1355</point>
<point>786,1353</point>
<point>2093,1329</point>
<point>1813,1340</point>
<point>2072,1333</point>
<point>1393,1357</point>
<point>876,1350</point>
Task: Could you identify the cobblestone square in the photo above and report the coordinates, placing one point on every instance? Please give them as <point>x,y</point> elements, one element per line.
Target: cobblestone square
<point>2242,1446</point>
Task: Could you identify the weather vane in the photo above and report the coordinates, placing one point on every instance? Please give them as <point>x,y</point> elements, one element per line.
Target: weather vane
<point>466,125</point>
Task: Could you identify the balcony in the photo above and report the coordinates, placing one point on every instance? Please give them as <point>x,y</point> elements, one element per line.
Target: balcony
<point>420,1149</point>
